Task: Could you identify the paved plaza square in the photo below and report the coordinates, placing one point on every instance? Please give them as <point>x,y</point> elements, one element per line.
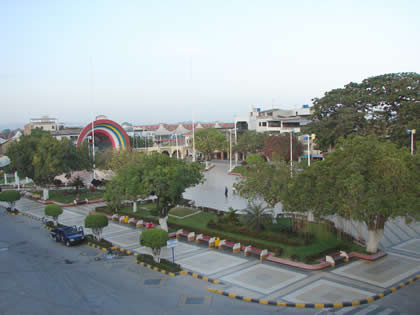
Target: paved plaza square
<point>180,250</point>
<point>69,215</point>
<point>263,278</point>
<point>411,246</point>
<point>210,262</point>
<point>325,291</point>
<point>385,272</point>
<point>113,228</point>
<point>129,239</point>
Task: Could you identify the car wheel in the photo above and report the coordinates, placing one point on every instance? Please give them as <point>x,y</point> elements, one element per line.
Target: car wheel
<point>52,236</point>
<point>57,238</point>
<point>68,243</point>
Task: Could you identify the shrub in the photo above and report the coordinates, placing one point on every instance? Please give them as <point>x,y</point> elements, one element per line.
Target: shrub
<point>10,196</point>
<point>53,211</point>
<point>163,264</point>
<point>155,239</point>
<point>96,222</point>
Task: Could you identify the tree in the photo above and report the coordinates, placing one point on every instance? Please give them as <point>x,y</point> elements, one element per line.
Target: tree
<point>250,142</point>
<point>366,180</point>
<point>256,215</point>
<point>127,183</point>
<point>154,239</point>
<point>209,140</point>
<point>53,211</point>
<point>278,147</point>
<point>156,175</point>
<point>41,157</point>
<point>10,196</point>
<point>114,194</point>
<point>78,183</point>
<point>96,222</point>
<point>264,181</point>
<point>384,105</point>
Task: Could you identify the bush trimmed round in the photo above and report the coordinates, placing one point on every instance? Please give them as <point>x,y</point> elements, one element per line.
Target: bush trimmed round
<point>9,195</point>
<point>53,210</point>
<point>154,238</point>
<point>97,220</point>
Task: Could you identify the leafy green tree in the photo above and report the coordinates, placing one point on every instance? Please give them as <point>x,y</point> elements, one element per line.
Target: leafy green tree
<point>232,217</point>
<point>385,105</point>
<point>10,196</point>
<point>122,157</point>
<point>114,194</point>
<point>256,215</point>
<point>154,239</point>
<point>209,140</point>
<point>250,142</point>
<point>254,159</point>
<point>128,181</point>
<point>42,157</point>
<point>21,153</point>
<point>156,175</point>
<point>53,211</point>
<point>96,222</point>
<point>278,147</point>
<point>264,181</point>
<point>77,182</point>
<point>366,180</point>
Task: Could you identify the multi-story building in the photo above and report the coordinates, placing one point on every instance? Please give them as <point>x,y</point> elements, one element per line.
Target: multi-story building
<point>43,123</point>
<point>275,120</point>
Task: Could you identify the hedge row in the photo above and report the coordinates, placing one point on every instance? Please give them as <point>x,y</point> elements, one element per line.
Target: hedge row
<point>137,216</point>
<point>254,243</point>
<point>164,263</point>
<point>285,238</point>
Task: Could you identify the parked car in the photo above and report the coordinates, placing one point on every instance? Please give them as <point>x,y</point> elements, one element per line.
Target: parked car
<point>68,235</point>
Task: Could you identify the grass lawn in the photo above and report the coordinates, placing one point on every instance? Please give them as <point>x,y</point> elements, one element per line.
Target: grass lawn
<point>67,196</point>
<point>182,212</point>
<point>239,169</point>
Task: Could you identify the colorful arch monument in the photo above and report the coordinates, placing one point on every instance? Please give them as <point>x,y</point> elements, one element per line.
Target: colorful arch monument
<point>108,128</point>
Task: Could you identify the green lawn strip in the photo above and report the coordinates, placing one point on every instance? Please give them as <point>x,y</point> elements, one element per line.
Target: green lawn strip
<point>182,212</point>
<point>67,196</point>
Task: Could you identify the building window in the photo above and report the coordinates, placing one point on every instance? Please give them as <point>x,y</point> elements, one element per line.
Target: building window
<point>264,124</point>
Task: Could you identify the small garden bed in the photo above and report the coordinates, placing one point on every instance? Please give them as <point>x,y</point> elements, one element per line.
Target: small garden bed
<point>164,263</point>
<point>102,243</point>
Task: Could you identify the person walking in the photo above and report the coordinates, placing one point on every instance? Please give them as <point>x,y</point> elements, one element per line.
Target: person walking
<point>226,191</point>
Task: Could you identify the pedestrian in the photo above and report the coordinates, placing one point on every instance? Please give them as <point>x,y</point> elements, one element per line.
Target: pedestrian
<point>226,191</point>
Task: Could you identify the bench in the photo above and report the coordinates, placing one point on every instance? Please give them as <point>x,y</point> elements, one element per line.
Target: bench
<point>80,202</point>
<point>336,258</point>
<point>261,253</point>
<point>182,233</point>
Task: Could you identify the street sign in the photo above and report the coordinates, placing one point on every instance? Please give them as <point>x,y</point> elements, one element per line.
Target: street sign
<point>171,243</point>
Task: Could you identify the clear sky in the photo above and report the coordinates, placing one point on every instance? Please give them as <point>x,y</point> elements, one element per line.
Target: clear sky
<point>165,61</point>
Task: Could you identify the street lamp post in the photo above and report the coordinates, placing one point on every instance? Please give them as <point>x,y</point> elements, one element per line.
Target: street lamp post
<point>309,138</point>
<point>412,131</point>
<point>230,150</point>
<point>291,154</point>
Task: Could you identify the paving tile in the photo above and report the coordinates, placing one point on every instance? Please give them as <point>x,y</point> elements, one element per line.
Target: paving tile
<point>263,278</point>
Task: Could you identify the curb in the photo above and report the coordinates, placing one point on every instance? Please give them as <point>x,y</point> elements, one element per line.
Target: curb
<point>320,305</point>
<point>171,274</point>
<point>201,277</point>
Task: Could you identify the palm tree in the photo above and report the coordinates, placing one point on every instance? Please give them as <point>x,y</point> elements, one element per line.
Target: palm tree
<point>257,214</point>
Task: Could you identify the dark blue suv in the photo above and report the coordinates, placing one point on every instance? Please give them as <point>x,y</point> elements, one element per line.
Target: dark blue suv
<point>69,235</point>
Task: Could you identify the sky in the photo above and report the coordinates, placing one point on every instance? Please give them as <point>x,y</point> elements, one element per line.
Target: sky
<point>147,62</point>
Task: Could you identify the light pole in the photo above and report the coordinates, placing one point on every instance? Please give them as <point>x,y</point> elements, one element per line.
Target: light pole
<point>93,146</point>
<point>236,142</point>
<point>230,150</point>
<point>309,138</point>
<point>412,131</point>
<point>291,154</point>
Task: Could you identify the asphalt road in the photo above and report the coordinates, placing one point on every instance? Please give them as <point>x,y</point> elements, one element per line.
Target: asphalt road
<point>40,276</point>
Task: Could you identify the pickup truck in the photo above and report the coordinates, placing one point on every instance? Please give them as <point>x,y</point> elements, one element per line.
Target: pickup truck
<point>69,235</point>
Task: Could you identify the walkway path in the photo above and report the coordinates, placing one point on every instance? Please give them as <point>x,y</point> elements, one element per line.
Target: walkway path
<point>249,277</point>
